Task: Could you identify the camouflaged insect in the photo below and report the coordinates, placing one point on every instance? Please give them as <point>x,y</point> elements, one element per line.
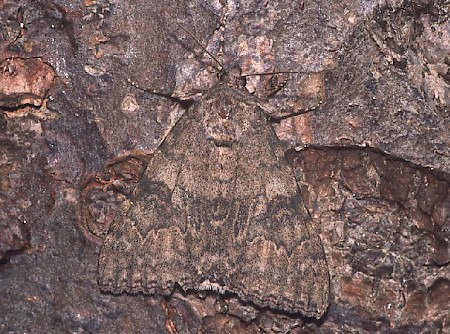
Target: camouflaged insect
<point>218,208</point>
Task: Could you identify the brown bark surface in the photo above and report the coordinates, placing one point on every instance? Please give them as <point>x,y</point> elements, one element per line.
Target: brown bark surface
<point>371,156</point>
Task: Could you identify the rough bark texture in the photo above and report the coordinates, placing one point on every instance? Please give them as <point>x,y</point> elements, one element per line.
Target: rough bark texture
<point>371,157</point>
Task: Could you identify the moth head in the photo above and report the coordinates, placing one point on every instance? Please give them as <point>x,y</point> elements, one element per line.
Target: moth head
<point>233,77</point>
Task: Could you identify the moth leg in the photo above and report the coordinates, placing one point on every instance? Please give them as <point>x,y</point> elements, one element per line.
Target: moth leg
<point>279,116</point>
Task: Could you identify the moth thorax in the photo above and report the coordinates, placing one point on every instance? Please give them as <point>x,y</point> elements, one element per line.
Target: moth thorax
<point>225,112</point>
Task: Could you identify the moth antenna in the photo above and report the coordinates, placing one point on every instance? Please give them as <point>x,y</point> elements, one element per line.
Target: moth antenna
<point>184,103</point>
<point>201,45</point>
<point>271,73</point>
<point>135,85</point>
<point>279,117</point>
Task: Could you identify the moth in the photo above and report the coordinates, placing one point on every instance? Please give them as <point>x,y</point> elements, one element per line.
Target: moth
<point>218,208</point>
